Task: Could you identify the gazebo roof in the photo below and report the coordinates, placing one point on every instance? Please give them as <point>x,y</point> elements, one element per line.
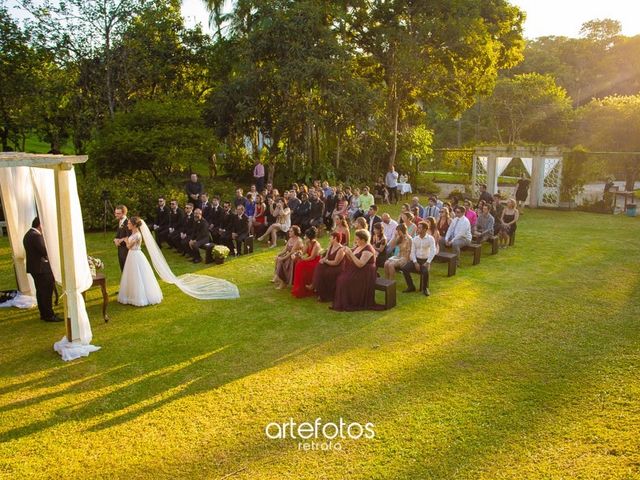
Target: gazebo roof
<point>20,159</point>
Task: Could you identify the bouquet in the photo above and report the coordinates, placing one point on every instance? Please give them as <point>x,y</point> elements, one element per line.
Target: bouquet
<point>95,264</point>
<point>220,252</point>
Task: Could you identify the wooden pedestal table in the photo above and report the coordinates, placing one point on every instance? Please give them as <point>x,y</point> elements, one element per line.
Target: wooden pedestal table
<point>101,281</point>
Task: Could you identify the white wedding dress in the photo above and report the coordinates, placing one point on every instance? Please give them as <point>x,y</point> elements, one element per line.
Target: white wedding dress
<point>138,286</point>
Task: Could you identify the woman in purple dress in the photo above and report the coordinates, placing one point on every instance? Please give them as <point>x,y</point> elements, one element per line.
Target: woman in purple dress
<point>328,269</point>
<point>355,287</point>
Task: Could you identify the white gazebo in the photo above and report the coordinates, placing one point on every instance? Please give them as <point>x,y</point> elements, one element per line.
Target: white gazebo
<point>543,163</point>
<point>45,185</point>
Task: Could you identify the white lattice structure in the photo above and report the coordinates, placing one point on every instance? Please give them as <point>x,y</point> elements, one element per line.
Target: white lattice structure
<point>544,165</point>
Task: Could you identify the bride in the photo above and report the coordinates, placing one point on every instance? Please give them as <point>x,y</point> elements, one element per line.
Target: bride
<point>139,285</point>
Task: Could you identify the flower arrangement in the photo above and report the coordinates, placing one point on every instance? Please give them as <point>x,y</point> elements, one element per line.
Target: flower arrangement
<point>95,264</point>
<point>219,253</point>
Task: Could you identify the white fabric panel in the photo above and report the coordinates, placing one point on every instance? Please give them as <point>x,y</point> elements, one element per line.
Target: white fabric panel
<point>20,209</point>
<point>44,191</point>
<point>528,164</point>
<point>202,287</point>
<point>501,164</point>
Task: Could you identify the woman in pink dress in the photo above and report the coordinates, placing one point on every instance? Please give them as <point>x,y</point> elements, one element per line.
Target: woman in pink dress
<point>303,272</point>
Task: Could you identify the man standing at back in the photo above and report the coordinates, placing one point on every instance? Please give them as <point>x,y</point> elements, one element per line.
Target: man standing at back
<point>391,181</point>
<point>39,268</point>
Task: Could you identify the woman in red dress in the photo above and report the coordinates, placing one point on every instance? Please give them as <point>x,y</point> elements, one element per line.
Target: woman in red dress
<point>328,269</point>
<point>259,224</point>
<point>303,272</point>
<point>355,287</point>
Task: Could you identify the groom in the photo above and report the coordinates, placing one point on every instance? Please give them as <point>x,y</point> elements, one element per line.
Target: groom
<point>121,234</point>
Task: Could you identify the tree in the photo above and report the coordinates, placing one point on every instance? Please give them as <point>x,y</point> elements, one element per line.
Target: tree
<point>613,124</point>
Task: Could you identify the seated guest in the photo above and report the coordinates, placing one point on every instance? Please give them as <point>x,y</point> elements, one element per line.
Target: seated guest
<point>379,243</point>
<point>360,223</point>
<point>317,209</point>
<point>444,220</point>
<point>194,189</point>
<point>239,230</point>
<point>396,262</point>
<point>239,199</point>
<point>200,235</point>
<point>433,231</point>
<point>303,271</point>
<point>459,233</point>
<point>176,219</point>
<point>483,229</point>
<point>355,286</point>
<point>509,219</point>
<point>484,195</point>
<point>223,233</point>
<point>469,213</point>
<point>253,193</point>
<point>301,217</point>
<point>328,269</point>
<point>389,227</point>
<point>215,213</point>
<point>341,208</point>
<point>161,222</point>
<point>439,203</point>
<point>432,210</point>
<point>342,227</point>
<point>329,207</point>
<point>415,202</point>
<point>423,249</point>
<point>407,219</point>
<point>186,230</point>
<point>355,210</point>
<point>416,218</point>
<point>293,202</point>
<point>404,209</point>
<point>286,259</point>
<point>381,190</point>
<point>258,226</point>
<point>282,223</point>
<point>496,213</point>
<point>366,200</point>
<point>372,218</point>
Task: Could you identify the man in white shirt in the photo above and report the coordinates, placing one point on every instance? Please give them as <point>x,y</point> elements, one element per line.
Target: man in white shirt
<point>389,228</point>
<point>423,249</point>
<point>459,233</point>
<point>391,181</point>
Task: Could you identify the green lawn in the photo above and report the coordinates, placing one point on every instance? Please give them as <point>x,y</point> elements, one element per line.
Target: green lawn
<point>525,366</point>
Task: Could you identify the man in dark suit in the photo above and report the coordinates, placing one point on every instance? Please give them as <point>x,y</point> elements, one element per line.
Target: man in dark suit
<point>39,268</point>
<point>223,233</point>
<point>372,218</point>
<point>176,219</point>
<point>186,229</point>
<point>161,223</point>
<point>200,235</point>
<point>214,215</point>
<point>239,229</point>
<point>316,211</point>
<point>121,234</point>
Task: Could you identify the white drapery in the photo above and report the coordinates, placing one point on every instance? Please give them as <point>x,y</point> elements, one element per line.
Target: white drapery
<point>501,165</point>
<point>528,165</point>
<point>22,189</point>
<point>201,287</point>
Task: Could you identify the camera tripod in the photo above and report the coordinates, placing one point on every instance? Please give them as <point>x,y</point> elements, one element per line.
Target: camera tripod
<point>108,209</point>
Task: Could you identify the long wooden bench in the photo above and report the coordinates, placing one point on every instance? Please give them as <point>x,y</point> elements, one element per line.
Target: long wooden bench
<point>493,240</point>
<point>389,289</point>
<point>476,248</point>
<point>449,258</point>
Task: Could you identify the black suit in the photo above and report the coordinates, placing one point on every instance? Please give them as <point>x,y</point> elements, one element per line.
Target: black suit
<point>370,223</point>
<point>162,222</point>
<point>39,268</point>
<point>240,226</point>
<point>187,229</point>
<point>200,235</point>
<point>214,214</point>
<point>176,220</point>
<point>123,232</point>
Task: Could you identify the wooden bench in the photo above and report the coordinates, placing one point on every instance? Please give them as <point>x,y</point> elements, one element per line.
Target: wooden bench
<point>494,241</point>
<point>449,258</point>
<point>247,247</point>
<point>476,248</point>
<point>512,239</point>
<point>389,289</point>
<point>3,227</point>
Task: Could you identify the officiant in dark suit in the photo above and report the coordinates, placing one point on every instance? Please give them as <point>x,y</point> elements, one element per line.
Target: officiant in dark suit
<point>121,234</point>
<point>38,267</point>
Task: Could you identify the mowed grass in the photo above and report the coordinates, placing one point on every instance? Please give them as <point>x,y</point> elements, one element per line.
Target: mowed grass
<point>525,366</point>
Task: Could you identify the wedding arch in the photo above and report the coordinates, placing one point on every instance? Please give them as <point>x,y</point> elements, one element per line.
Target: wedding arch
<point>45,185</point>
<point>543,163</point>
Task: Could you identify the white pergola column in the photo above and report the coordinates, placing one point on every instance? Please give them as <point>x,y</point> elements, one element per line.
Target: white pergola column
<point>492,178</point>
<point>537,182</point>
